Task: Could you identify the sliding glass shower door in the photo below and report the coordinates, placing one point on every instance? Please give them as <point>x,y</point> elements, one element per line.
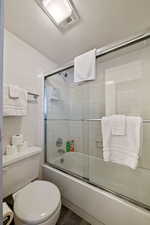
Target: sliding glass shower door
<point>66,142</point>
<point>73,133</point>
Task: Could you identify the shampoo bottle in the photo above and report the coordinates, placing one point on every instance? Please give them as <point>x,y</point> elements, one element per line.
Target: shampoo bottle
<point>72,146</point>
<point>68,146</point>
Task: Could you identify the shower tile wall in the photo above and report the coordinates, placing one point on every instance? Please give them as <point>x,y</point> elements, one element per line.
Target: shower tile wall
<point>96,109</point>
<point>65,116</point>
<point>125,80</point>
<point>56,129</point>
<point>129,76</point>
<point>127,91</point>
<point>57,113</point>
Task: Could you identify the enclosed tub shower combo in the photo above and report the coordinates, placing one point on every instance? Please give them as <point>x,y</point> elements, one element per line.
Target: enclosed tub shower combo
<point>90,186</point>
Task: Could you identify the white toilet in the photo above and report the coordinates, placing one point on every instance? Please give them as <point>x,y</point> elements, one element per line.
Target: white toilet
<point>36,202</point>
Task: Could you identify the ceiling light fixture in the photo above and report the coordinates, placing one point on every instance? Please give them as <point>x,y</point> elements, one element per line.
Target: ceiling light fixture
<point>62,12</point>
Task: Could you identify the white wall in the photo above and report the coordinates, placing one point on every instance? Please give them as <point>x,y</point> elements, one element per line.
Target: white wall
<point>25,67</point>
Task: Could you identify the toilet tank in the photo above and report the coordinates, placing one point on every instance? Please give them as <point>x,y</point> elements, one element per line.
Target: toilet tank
<point>19,169</point>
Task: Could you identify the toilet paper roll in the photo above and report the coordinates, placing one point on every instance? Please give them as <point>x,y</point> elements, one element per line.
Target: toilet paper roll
<point>7,214</point>
<point>17,139</point>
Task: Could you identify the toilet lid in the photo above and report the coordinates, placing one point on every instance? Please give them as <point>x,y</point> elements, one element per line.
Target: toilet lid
<point>36,202</point>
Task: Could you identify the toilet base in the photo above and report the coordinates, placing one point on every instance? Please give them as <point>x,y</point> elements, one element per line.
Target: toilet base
<point>50,221</point>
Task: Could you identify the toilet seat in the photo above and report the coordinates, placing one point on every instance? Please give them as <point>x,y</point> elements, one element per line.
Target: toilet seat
<point>37,202</point>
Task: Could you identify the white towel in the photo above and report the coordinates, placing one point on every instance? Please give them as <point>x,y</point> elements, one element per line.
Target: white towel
<point>15,106</point>
<point>13,91</point>
<point>85,67</point>
<point>122,149</point>
<point>118,123</point>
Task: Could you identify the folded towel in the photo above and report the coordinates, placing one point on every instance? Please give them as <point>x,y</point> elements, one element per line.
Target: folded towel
<point>15,106</point>
<point>122,149</point>
<point>118,123</point>
<point>13,91</point>
<point>84,67</point>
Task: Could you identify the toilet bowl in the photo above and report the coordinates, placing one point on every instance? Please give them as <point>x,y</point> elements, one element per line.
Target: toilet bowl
<point>38,203</point>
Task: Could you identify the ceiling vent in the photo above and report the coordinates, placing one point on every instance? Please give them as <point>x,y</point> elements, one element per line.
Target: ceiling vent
<point>61,12</point>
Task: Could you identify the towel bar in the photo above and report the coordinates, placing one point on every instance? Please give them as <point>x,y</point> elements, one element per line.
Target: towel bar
<point>33,98</point>
<point>33,94</point>
<point>82,120</point>
<point>144,121</point>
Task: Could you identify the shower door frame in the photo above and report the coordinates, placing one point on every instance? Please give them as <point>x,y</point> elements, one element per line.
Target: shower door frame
<point>100,52</point>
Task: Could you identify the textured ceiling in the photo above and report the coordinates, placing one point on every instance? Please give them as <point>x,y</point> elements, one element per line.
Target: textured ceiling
<point>102,22</point>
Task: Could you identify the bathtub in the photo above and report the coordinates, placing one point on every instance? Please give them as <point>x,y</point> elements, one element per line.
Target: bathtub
<point>95,205</point>
<point>74,162</point>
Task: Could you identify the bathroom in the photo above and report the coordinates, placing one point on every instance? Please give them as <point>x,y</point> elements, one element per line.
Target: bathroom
<point>75,112</point>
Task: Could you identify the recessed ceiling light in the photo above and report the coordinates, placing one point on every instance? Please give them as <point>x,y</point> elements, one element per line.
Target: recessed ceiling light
<point>61,12</point>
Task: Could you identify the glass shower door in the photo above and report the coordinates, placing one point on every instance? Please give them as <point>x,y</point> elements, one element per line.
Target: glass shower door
<point>122,87</point>
<point>66,142</point>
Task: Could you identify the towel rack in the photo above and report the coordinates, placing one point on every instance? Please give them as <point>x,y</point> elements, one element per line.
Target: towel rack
<point>144,121</point>
<point>83,120</point>
<point>34,97</point>
<point>33,94</point>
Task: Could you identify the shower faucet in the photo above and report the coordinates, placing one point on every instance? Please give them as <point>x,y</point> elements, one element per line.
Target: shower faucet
<point>59,142</point>
<point>61,151</point>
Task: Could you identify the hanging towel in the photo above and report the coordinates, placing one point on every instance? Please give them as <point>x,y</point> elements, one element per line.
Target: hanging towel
<point>118,124</point>
<point>85,67</point>
<point>122,149</point>
<point>15,106</point>
<point>13,91</point>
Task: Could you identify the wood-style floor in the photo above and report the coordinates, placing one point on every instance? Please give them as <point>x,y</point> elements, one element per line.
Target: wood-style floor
<point>67,217</point>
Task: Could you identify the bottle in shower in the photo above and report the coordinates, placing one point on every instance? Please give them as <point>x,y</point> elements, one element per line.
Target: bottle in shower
<point>72,146</point>
<point>68,146</point>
